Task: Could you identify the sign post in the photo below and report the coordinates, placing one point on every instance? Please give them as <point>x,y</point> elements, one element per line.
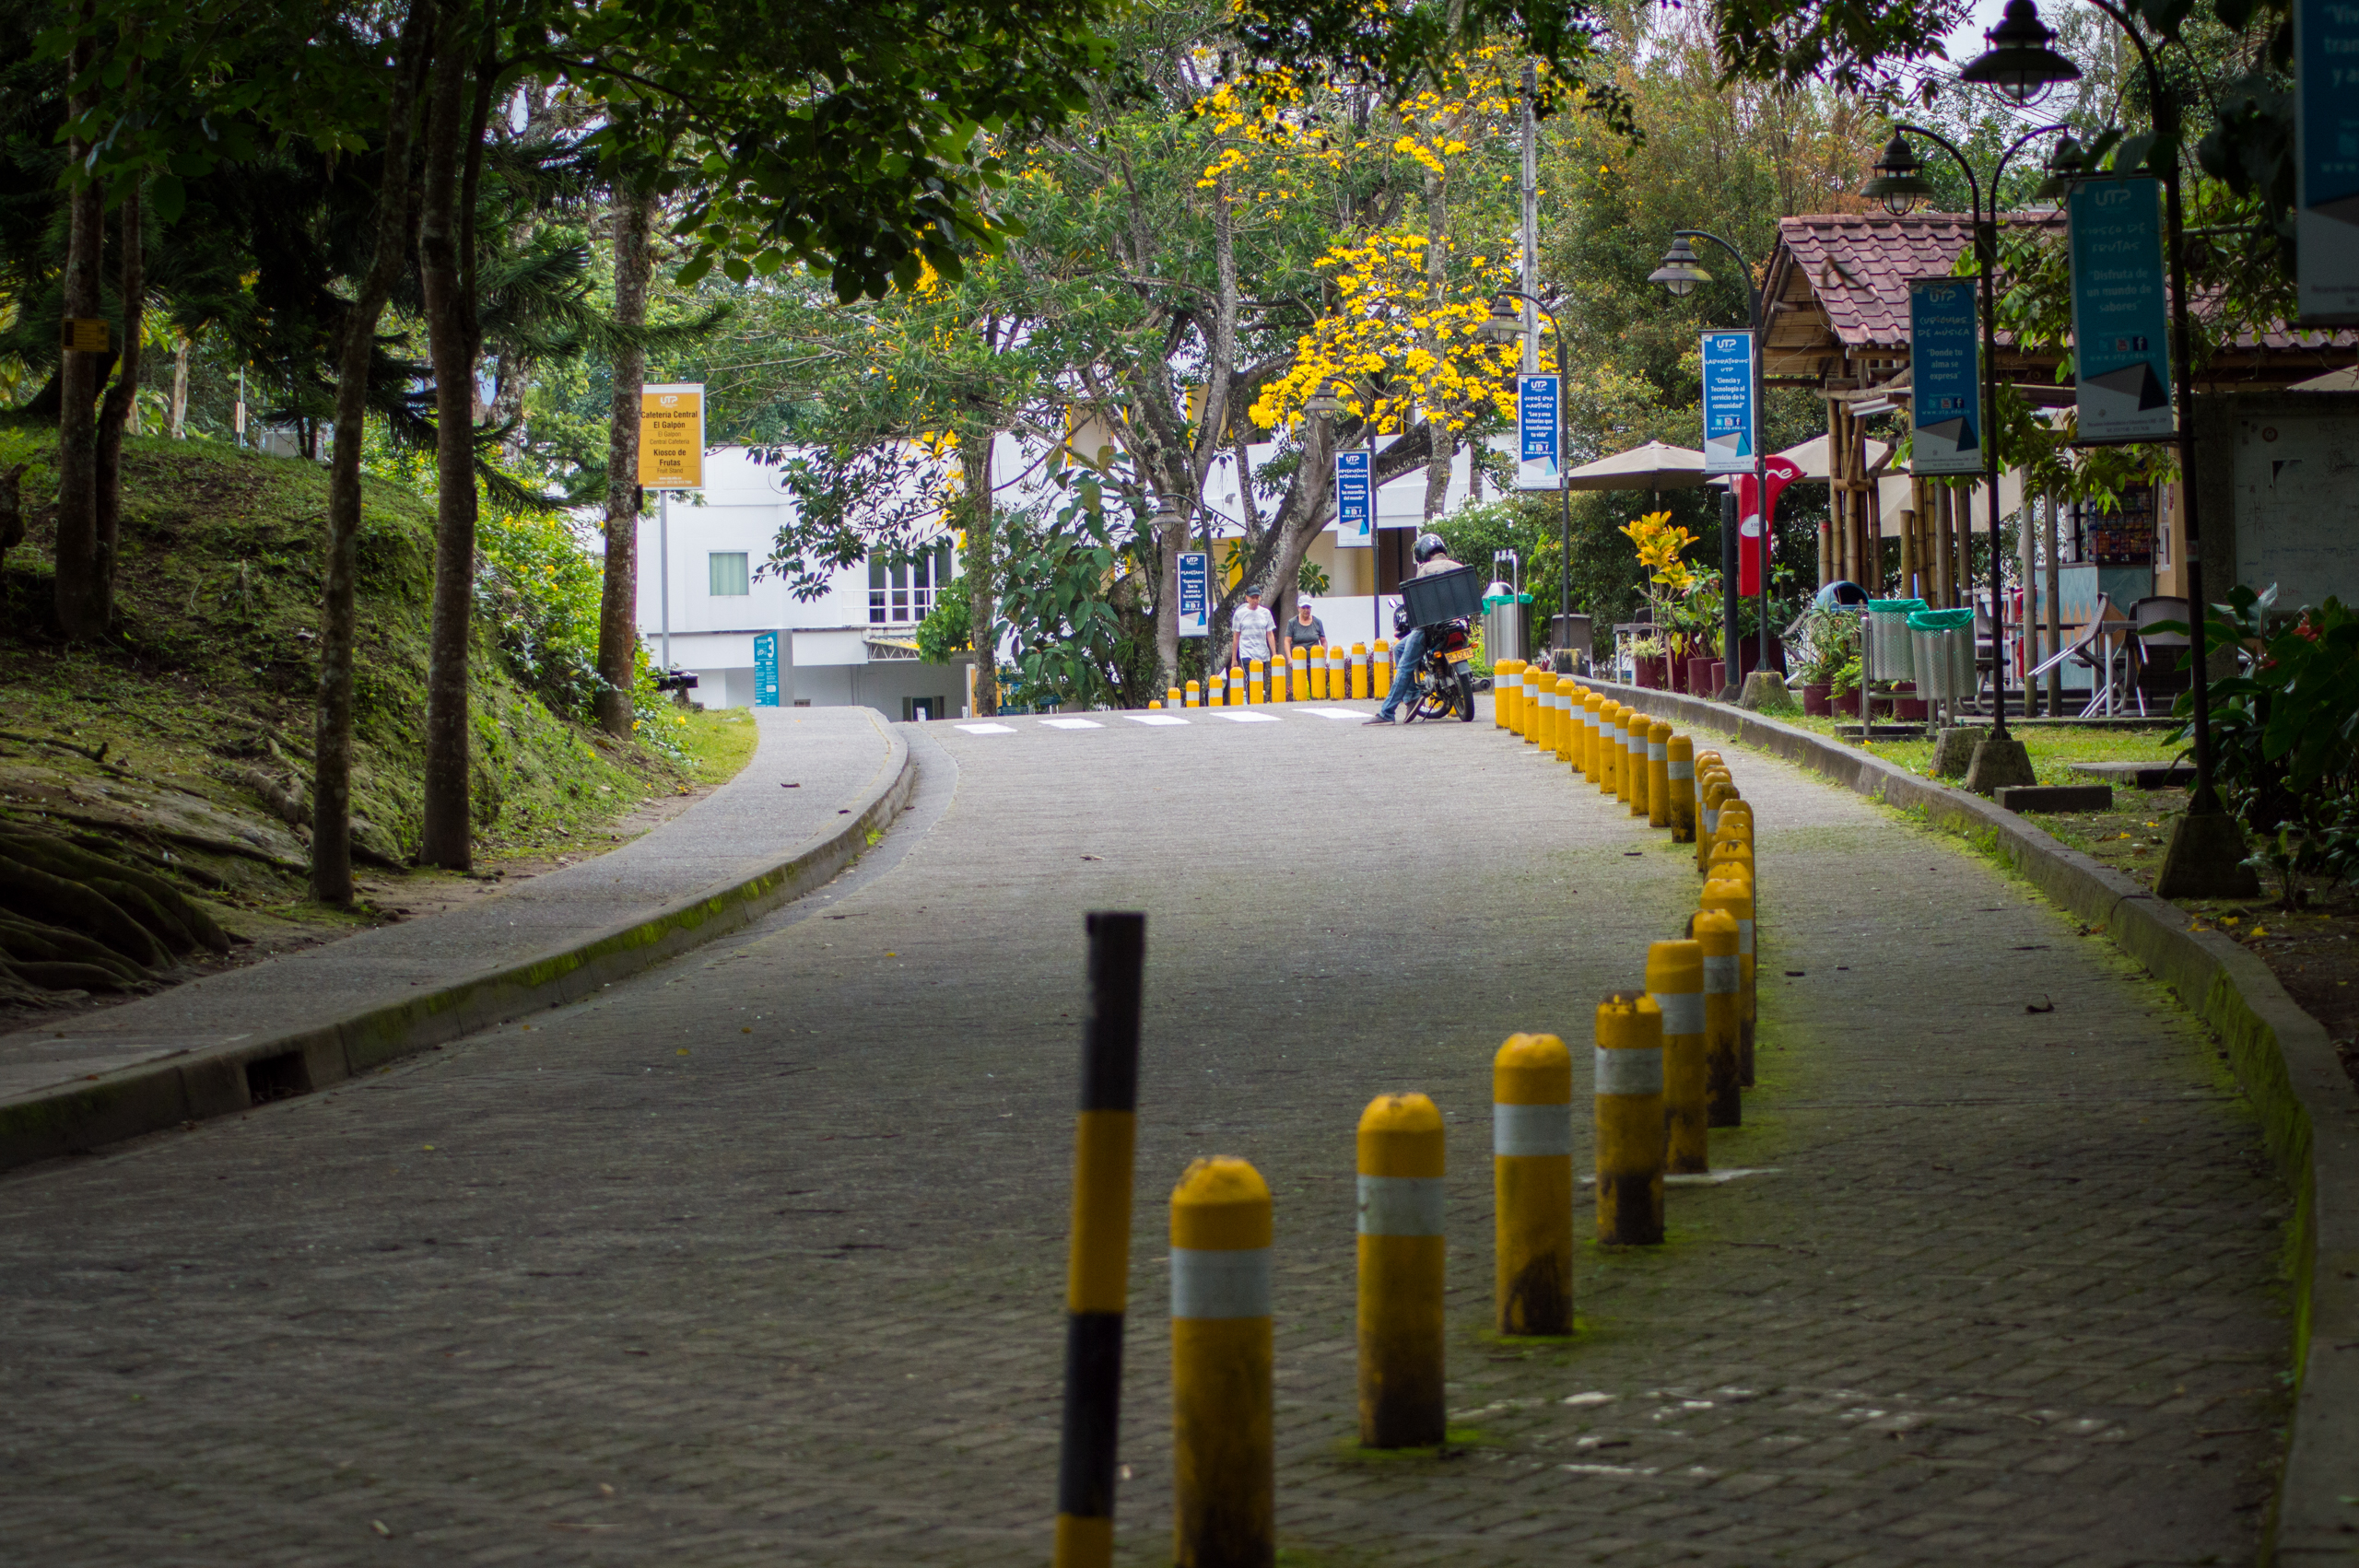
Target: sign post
<point>766,670</point>
<point>1730,403</point>
<point>1354,517</point>
<point>1195,593</point>
<point>2120,333</point>
<point>2325,141</point>
<point>1945,376</point>
<point>1539,464</point>
<point>671,457</point>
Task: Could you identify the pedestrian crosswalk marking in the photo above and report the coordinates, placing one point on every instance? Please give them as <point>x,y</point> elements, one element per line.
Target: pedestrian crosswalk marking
<point>1336,712</point>
<point>1073,724</point>
<point>1152,718</point>
<point>1248,717</point>
<point>989,729</point>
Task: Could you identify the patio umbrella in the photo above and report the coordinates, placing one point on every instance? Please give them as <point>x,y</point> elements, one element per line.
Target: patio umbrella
<point>1655,466</point>
<point>2344,379</point>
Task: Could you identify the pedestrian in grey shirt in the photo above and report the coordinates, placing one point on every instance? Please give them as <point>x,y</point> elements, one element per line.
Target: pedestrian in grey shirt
<point>1253,631</point>
<point>1305,630</point>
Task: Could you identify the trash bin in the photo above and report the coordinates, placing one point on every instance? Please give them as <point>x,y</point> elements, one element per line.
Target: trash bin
<point>1889,655</point>
<point>1945,650</point>
<point>1506,624</point>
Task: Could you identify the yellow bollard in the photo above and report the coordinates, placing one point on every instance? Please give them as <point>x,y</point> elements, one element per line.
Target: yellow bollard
<point>1544,725</point>
<point>1195,695</point>
<point>1736,823</point>
<point>1319,673</point>
<point>1172,698</point>
<point>1675,980</point>
<point>1401,1273</point>
<point>1733,897</point>
<point>1630,1131</point>
<point>1298,676</point>
<point>1504,675</point>
<point>1156,702</point>
<point>1568,696</point>
<point>1638,726</point>
<point>1339,674</point>
<point>1659,774</point>
<point>1711,789</point>
<point>1257,682</point>
<point>1723,1017</point>
<point>1359,671</point>
<point>1224,1486</point>
<point>1604,775</point>
<point>1592,726</point>
<point>1236,685</point>
<point>1731,851</point>
<point>1379,669</point>
<point>1532,1177</point>
<point>1621,743</point>
<point>1679,771</point>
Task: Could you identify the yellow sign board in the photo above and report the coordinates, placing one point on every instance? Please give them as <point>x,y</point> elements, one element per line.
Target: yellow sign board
<point>85,334</point>
<point>671,436</point>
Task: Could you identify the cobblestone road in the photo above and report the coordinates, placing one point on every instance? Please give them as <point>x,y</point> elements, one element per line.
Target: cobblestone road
<point>757,1258</point>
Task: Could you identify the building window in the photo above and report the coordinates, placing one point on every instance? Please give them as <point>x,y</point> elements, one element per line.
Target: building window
<point>729,579</point>
<point>904,592</point>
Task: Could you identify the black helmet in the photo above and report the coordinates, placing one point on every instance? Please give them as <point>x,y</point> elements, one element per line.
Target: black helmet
<point>1400,620</point>
<point>1427,547</point>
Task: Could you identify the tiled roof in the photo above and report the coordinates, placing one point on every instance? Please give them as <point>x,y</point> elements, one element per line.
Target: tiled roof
<point>1858,264</point>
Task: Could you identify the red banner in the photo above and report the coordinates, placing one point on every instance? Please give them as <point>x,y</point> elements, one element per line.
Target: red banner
<point>1752,538</point>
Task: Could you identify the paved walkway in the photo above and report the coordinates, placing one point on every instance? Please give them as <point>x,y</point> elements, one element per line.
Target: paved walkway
<point>759,1259</point>
<point>833,756</point>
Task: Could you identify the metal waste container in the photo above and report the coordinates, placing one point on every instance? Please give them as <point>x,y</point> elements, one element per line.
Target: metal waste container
<point>1506,624</point>
<point>1890,656</point>
<point>1943,643</point>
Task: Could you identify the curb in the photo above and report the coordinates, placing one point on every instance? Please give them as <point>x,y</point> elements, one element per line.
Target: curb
<point>2282,1058</point>
<point>155,1095</point>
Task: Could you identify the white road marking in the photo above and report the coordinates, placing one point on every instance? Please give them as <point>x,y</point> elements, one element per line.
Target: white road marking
<point>1248,717</point>
<point>988,729</point>
<point>1073,724</point>
<point>1336,712</point>
<point>1153,719</point>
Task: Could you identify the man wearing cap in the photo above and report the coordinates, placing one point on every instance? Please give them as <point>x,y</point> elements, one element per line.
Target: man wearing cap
<point>1252,631</point>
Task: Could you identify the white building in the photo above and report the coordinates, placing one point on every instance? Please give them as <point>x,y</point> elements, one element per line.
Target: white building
<point>702,601</point>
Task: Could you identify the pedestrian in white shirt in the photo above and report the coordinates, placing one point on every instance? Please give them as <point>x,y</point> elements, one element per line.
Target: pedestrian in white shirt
<point>1253,631</point>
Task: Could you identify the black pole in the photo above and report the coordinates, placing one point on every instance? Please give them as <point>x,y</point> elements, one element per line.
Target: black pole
<point>1564,492</point>
<point>1730,576</point>
<point>1728,581</point>
<point>1097,1284</point>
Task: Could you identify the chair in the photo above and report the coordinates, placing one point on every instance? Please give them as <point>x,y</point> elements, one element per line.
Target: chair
<point>2161,676</point>
<point>2093,647</point>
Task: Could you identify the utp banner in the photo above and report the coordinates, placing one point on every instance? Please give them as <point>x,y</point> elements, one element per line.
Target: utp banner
<point>1945,377</point>
<point>1538,463</point>
<point>2325,160</point>
<point>1195,593</point>
<point>671,436</point>
<point>1355,509</point>
<point>2120,321</point>
<point>1730,403</point>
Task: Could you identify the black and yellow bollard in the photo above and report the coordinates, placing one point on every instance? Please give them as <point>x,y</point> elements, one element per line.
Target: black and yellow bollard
<point>1532,1175</point>
<point>1659,774</point>
<point>1679,772</point>
<point>1723,1017</point>
<point>1734,896</point>
<point>1223,1485</point>
<point>1675,980</point>
<point>1631,1134</point>
<point>1098,1266</point>
<point>1401,1273</point>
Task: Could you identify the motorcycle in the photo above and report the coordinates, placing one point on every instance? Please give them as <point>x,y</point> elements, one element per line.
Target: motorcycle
<point>1442,683</point>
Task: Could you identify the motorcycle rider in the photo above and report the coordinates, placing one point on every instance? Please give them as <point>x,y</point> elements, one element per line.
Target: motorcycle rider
<point>1432,555</point>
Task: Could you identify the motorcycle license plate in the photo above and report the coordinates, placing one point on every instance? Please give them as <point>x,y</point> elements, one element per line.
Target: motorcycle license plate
<point>1458,655</point>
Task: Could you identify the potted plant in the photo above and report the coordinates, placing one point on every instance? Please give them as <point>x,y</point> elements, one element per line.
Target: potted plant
<point>1832,639</point>
<point>1650,659</point>
<point>1671,588</point>
<point>1907,706</point>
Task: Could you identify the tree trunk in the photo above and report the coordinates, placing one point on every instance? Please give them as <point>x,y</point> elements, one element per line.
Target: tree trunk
<point>114,414</point>
<point>78,378</point>
<point>332,723</point>
<point>983,568</point>
<point>177,427</point>
<point>618,603</point>
<point>1443,446</point>
<point>447,827</point>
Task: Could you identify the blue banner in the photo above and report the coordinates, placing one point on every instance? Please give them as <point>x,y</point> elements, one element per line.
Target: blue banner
<point>1195,587</point>
<point>2120,311</point>
<point>1537,465</point>
<point>1730,403</point>
<point>2326,142</point>
<point>1354,507</point>
<point>766,670</point>
<point>1945,377</point>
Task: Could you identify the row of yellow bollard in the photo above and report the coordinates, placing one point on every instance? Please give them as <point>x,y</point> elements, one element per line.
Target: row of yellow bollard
<point>1316,674</point>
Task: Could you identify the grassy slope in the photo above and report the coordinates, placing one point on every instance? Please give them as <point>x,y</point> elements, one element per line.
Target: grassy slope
<point>209,687</point>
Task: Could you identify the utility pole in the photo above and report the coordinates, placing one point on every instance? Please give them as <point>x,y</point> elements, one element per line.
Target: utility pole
<point>1531,279</point>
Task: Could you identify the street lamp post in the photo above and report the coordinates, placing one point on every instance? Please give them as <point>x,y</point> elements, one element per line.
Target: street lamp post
<point>1900,184</point>
<point>1680,273</point>
<point>1506,325</point>
<point>2205,856</point>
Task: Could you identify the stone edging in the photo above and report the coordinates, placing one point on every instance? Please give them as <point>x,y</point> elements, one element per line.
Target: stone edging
<point>167,1093</point>
<point>2282,1057</point>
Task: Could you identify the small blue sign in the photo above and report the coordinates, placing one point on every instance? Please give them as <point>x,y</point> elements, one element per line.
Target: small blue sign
<point>766,670</point>
<point>2120,324</point>
<point>1536,422</point>
<point>1355,508</point>
<point>1195,592</point>
<point>1945,378</point>
<point>2325,160</point>
<point>1730,403</point>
